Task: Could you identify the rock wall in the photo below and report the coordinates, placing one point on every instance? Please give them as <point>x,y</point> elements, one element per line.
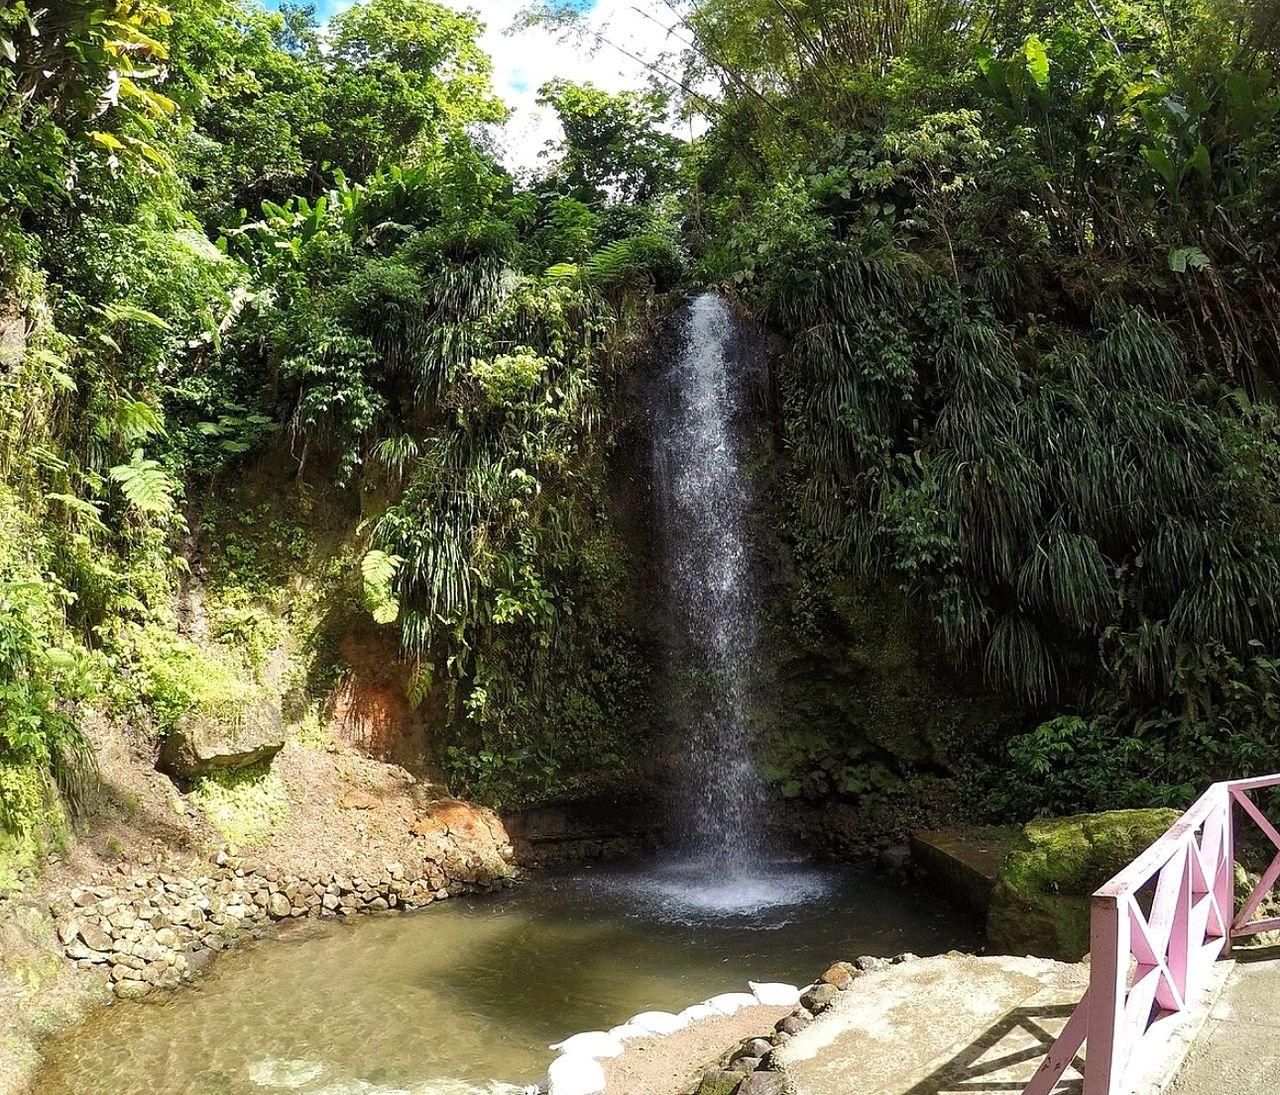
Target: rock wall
<point>153,926</point>
<point>597,828</point>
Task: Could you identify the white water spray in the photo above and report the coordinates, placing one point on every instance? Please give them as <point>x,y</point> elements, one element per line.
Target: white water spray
<point>703,506</point>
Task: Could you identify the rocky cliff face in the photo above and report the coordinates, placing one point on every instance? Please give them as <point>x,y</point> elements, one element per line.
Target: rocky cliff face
<point>856,719</point>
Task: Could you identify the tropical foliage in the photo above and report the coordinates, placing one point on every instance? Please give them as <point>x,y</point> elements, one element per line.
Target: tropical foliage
<point>231,237</point>
<point>1020,259</point>
<point>1024,258</point>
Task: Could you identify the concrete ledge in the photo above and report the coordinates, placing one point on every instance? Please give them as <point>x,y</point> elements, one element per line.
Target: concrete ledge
<point>937,1026</point>
<point>964,863</point>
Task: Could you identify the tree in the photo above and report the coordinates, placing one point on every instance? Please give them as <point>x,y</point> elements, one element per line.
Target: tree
<point>614,146</point>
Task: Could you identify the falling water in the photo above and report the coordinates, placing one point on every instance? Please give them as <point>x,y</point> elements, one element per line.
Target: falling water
<point>703,505</point>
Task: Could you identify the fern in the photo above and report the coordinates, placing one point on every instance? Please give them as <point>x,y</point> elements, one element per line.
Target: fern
<point>145,484</point>
<point>378,571</point>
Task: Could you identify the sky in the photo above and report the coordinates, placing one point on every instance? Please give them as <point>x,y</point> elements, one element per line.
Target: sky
<point>525,59</point>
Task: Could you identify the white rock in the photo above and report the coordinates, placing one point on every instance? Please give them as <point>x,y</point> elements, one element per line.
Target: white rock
<point>591,1043</point>
<point>696,1013</point>
<point>658,1022</point>
<point>574,1074</point>
<point>730,1003</point>
<point>775,994</point>
<point>628,1032</point>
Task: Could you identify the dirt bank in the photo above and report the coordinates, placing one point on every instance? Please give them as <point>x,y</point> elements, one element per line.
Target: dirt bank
<point>149,888</point>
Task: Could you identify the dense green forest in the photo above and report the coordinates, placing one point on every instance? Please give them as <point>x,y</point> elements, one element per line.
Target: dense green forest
<point>1020,261</point>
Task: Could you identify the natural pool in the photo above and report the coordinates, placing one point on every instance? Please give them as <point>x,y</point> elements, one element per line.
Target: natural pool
<point>464,997</point>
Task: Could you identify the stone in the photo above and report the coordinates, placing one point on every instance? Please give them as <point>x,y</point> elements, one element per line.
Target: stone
<point>203,742</point>
<point>819,996</point>
<point>868,963</point>
<point>753,1047</point>
<point>1040,905</point>
<point>95,938</point>
<point>745,1064</point>
<point>840,974</point>
<point>67,931</point>
<point>775,994</point>
<point>719,1082</point>
<point>79,952</point>
<point>795,1022</point>
<point>763,1083</point>
<point>277,906</point>
<point>131,990</point>
<point>124,918</point>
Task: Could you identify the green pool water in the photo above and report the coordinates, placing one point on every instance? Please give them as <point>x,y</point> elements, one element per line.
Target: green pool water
<point>464,997</point>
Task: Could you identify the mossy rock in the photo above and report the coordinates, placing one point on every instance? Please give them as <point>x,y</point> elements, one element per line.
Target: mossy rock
<point>1041,901</point>
<point>200,744</point>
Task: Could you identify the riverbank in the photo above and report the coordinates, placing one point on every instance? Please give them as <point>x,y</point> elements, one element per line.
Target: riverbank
<point>138,902</point>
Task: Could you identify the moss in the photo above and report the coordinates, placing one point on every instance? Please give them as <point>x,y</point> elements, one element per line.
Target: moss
<point>176,676</point>
<point>243,805</point>
<point>32,821</point>
<point>858,699</point>
<point>1041,901</point>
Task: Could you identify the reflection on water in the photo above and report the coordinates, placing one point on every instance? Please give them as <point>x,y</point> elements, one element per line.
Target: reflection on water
<point>464,997</point>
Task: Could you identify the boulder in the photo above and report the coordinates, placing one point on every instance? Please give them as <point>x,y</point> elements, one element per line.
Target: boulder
<point>753,1047</point>
<point>131,990</point>
<point>95,938</point>
<point>840,974</point>
<point>763,1083</point>
<point>1040,905</point>
<point>202,743</point>
<point>794,1023</point>
<point>719,1082</point>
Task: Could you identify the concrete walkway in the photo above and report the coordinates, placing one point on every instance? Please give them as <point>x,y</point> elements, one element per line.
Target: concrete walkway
<point>1237,1051</point>
<point>938,1026</point>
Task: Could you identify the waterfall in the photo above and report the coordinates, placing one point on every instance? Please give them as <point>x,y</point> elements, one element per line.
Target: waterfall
<point>703,505</point>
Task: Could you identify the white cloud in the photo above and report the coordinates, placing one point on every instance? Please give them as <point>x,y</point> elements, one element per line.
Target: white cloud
<point>525,59</point>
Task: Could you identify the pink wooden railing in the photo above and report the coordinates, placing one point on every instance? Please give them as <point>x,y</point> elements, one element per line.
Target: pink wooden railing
<point>1146,968</point>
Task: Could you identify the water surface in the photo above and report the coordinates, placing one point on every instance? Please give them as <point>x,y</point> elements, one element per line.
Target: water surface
<point>462,998</point>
